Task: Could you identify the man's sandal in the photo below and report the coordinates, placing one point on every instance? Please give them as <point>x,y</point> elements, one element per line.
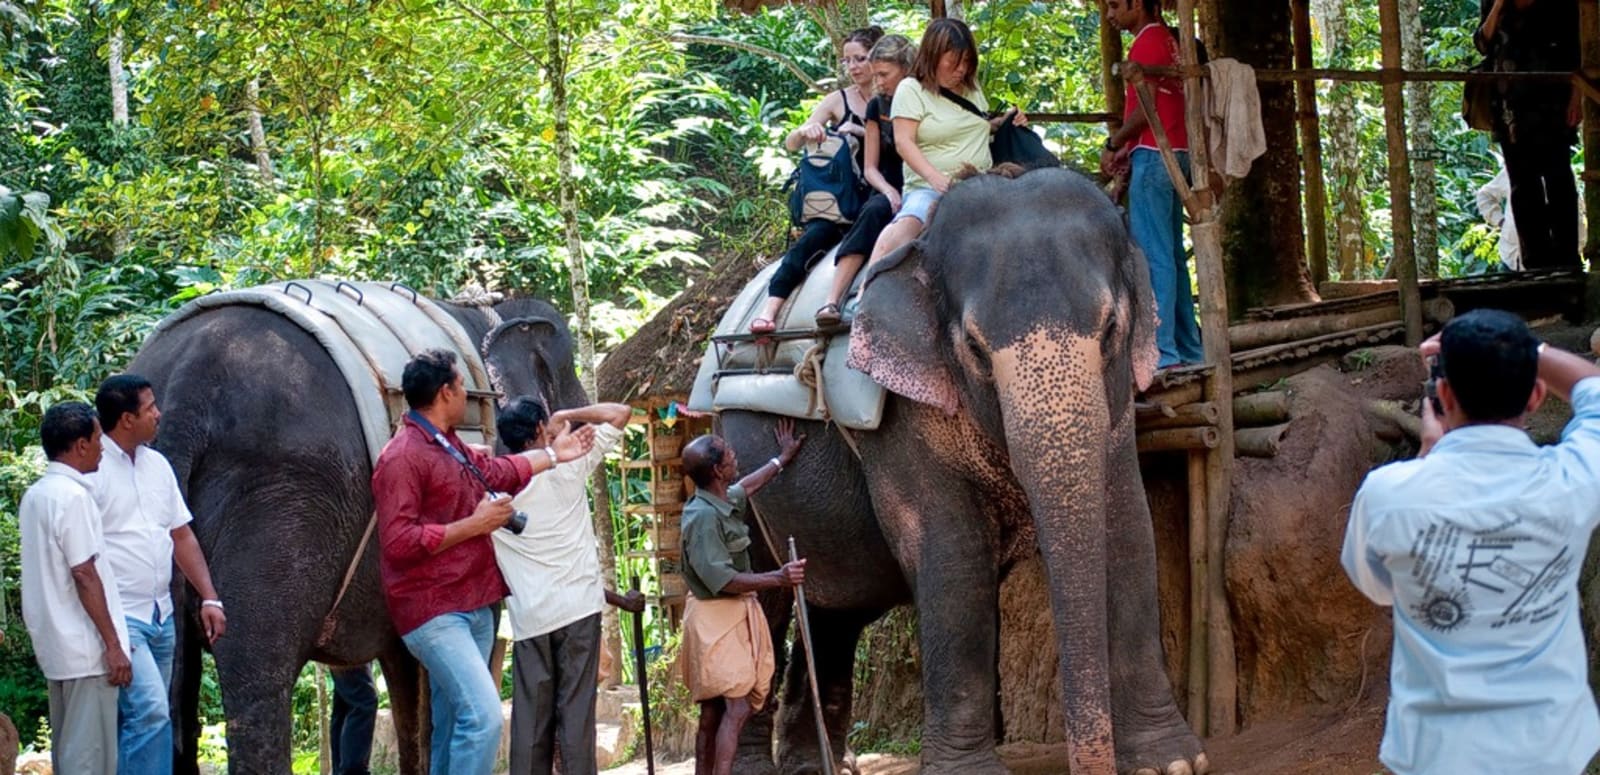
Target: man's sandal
<point>829,315</point>
<point>762,326</point>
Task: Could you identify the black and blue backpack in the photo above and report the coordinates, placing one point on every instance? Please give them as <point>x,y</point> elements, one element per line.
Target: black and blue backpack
<point>826,185</point>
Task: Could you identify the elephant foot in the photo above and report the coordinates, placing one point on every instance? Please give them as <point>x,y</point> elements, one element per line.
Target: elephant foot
<point>754,762</point>
<point>1172,749</point>
<point>794,764</point>
<point>977,764</point>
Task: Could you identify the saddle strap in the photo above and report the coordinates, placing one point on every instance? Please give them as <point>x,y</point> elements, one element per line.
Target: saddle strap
<point>331,622</point>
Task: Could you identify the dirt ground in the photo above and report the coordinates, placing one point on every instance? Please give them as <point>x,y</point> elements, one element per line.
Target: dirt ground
<point>1332,742</point>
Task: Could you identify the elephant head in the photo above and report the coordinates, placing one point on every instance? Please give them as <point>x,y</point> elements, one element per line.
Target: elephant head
<point>1026,307</point>
<point>527,350</point>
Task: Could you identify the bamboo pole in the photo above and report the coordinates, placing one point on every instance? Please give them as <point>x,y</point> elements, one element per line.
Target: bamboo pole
<point>1266,408</point>
<point>1589,39</point>
<point>1185,416</point>
<point>1170,439</point>
<point>1310,148</point>
<point>1394,115</point>
<point>1206,235</point>
<point>1260,442</point>
<point>1110,55</point>
<point>1198,604</point>
<point>1187,393</point>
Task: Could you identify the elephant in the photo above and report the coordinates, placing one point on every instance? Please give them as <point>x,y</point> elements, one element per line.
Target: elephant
<point>264,438</point>
<point>1012,337</point>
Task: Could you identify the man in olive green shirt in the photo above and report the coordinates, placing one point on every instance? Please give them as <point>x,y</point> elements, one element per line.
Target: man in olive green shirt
<point>727,657</point>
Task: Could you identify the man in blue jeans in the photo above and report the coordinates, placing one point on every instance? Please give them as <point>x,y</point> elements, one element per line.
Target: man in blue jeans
<point>436,559</point>
<point>146,526</point>
<point>350,723</point>
<point>1155,214</point>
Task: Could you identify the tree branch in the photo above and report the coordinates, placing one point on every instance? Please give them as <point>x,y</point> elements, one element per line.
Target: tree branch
<point>707,40</point>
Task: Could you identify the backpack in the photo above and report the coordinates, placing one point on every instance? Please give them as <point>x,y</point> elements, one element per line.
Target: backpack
<point>825,184</point>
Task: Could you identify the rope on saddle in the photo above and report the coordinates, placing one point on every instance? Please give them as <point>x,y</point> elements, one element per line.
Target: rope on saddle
<point>330,622</point>
<point>810,373</point>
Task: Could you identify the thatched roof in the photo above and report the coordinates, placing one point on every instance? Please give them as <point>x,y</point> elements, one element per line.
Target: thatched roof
<point>662,358</point>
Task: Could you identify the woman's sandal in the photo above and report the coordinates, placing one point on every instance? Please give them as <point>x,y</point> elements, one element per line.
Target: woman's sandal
<point>762,326</point>
<point>829,315</point>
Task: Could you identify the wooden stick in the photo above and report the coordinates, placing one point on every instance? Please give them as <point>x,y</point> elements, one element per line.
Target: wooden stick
<point>1110,82</point>
<point>1310,148</point>
<point>1394,115</point>
<point>1257,409</point>
<point>1259,442</point>
<point>1179,395</point>
<point>1199,597</point>
<point>1202,413</point>
<point>804,622</point>
<point>1198,437</point>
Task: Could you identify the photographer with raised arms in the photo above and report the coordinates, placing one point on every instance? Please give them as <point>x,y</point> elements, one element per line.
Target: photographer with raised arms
<point>437,501</point>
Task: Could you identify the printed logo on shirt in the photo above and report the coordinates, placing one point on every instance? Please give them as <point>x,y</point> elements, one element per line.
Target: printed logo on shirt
<point>1505,572</point>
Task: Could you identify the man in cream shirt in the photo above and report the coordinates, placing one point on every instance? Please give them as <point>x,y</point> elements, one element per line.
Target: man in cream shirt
<point>553,570</point>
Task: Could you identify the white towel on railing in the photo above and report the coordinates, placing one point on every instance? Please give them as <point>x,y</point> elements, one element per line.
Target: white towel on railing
<point>1233,117</point>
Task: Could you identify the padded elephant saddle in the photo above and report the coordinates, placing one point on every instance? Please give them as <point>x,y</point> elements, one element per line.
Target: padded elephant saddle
<point>797,371</point>
<point>370,330</point>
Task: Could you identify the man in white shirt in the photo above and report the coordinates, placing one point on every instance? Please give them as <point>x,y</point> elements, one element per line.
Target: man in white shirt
<point>1477,545</point>
<point>69,596</point>
<point>146,528</point>
<point>553,569</point>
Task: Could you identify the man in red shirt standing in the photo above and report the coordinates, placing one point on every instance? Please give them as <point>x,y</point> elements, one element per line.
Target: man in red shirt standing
<point>437,501</point>
<point>1155,214</point>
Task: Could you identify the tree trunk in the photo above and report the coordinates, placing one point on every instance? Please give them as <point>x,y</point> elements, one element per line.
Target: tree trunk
<point>1419,130</point>
<point>567,203</point>
<point>1349,211</point>
<point>258,133</point>
<point>1263,247</point>
<point>119,116</point>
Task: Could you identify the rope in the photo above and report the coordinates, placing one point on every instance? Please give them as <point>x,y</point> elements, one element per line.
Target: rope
<point>475,295</point>
<point>809,372</point>
<point>325,636</point>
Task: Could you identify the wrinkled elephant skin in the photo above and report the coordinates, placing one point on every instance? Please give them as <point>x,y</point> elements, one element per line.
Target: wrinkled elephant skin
<point>263,436</point>
<point>1013,336</point>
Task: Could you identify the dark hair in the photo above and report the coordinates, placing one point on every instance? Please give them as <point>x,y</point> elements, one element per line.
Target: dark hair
<point>64,424</point>
<point>1152,7</point>
<point>519,422</point>
<point>119,395</point>
<point>426,375</point>
<point>945,35</point>
<point>866,36</point>
<point>701,458</point>
<point>1491,359</point>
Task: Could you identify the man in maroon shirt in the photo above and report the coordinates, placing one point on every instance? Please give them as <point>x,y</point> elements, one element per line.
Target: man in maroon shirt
<point>435,515</point>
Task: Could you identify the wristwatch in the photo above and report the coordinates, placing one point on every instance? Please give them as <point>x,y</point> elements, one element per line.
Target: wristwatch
<point>1110,146</point>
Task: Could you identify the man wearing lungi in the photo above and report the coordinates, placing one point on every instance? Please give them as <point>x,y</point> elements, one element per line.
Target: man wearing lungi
<point>727,657</point>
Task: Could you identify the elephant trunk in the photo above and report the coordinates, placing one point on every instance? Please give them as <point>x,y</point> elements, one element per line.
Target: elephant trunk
<point>1057,425</point>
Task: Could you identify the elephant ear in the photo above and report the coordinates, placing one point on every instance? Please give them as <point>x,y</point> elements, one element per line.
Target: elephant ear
<point>896,336</point>
<point>1140,303</point>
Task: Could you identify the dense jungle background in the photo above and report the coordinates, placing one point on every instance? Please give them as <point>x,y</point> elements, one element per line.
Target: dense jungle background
<point>602,154</point>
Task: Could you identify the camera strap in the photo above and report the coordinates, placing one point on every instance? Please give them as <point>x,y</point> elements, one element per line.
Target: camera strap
<point>444,441</point>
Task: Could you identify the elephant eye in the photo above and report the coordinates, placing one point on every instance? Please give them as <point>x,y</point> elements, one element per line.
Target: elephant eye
<point>524,327</point>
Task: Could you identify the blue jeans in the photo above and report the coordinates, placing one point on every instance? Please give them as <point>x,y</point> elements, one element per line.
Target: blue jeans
<point>1155,218</point>
<point>144,725</point>
<point>454,647</point>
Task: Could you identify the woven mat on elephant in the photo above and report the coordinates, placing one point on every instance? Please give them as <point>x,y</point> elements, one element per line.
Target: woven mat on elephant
<point>799,372</point>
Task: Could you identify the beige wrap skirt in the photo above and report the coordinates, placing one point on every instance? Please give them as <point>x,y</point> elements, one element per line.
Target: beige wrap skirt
<point>727,649</point>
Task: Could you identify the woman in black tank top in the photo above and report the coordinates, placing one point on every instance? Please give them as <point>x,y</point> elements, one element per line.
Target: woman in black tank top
<point>842,111</point>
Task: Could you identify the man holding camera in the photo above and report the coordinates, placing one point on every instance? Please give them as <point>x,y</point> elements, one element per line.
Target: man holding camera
<point>437,501</point>
<point>1477,545</point>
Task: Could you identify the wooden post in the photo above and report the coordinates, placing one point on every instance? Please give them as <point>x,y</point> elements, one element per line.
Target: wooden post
<point>936,9</point>
<point>1110,55</point>
<point>1198,602</point>
<point>1206,234</point>
<point>1589,39</point>
<point>1394,115</point>
<point>1310,148</point>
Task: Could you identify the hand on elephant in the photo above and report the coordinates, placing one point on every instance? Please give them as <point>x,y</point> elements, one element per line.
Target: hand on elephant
<point>214,621</point>
<point>788,442</point>
<point>573,443</point>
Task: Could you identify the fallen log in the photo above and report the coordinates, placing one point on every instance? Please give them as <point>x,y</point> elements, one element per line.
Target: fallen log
<point>1185,416</point>
<point>1258,442</point>
<point>1256,409</point>
<point>1394,413</point>
<point>1264,333</point>
<point>1171,439</point>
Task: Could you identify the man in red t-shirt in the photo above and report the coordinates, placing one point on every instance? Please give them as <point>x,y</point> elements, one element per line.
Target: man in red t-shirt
<point>436,557</point>
<point>1155,214</point>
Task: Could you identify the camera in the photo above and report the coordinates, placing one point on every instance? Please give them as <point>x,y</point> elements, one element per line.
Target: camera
<point>519,518</point>
<point>1431,387</point>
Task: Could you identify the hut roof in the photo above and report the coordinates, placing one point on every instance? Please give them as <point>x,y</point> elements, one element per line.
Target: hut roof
<point>662,358</point>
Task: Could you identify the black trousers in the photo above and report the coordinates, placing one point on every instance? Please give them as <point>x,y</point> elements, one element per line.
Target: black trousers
<point>355,711</point>
<point>553,679</point>
<point>1544,201</point>
<point>816,239</point>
